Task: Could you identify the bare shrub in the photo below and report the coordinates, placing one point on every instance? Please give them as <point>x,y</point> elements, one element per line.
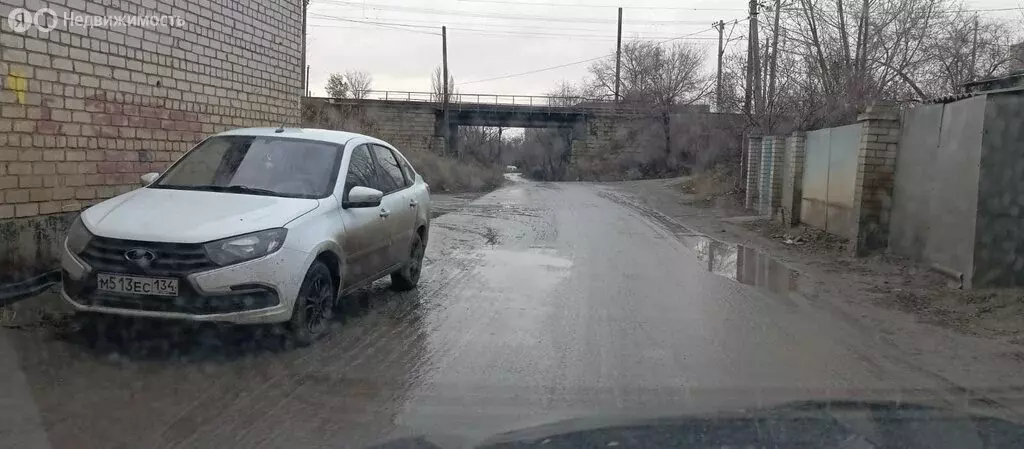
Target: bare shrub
<point>448,175</point>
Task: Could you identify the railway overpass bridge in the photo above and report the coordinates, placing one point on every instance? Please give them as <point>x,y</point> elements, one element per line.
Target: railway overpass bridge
<point>418,120</point>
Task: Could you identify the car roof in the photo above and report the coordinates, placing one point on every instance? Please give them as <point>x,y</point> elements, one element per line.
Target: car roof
<point>326,135</point>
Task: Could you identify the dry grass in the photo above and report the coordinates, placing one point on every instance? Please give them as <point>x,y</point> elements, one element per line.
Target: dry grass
<point>713,188</point>
<point>713,182</point>
<point>447,175</point>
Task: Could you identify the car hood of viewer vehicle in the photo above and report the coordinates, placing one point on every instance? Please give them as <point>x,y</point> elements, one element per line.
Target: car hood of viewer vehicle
<point>833,423</point>
<point>188,216</point>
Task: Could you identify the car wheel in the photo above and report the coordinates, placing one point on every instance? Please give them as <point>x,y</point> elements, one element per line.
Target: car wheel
<point>407,278</point>
<point>314,306</point>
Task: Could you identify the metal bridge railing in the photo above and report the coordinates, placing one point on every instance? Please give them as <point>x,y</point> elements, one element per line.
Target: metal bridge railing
<point>461,101</point>
<point>484,99</point>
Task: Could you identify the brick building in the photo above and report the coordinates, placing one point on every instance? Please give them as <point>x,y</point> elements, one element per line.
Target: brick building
<point>85,110</point>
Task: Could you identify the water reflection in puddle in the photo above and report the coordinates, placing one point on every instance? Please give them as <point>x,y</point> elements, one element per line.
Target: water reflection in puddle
<point>742,264</point>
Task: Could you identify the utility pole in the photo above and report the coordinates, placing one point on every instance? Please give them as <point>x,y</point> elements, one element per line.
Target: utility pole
<point>761,102</point>
<point>774,66</point>
<point>307,81</point>
<point>444,90</point>
<point>618,57</point>
<point>974,50</point>
<point>752,56</point>
<point>755,66</point>
<point>719,98</point>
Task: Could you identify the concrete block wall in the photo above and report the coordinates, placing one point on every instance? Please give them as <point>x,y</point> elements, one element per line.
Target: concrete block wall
<point>407,128</point>
<point>793,175</point>
<point>773,154</point>
<point>85,111</point>
<point>752,199</point>
<point>876,166</point>
<point>594,144</point>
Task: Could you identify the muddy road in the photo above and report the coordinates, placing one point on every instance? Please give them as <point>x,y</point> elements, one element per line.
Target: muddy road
<point>539,301</point>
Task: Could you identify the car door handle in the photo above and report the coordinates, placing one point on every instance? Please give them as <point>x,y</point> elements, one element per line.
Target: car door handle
<point>384,213</point>
<point>413,203</point>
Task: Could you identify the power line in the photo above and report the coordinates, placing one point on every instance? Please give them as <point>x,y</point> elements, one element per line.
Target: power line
<point>595,37</point>
<point>584,61</point>
<point>370,22</point>
<point>402,26</point>
<point>408,30</point>
<point>565,5</point>
<point>952,11</point>
<point>493,16</point>
<point>585,20</point>
<point>479,32</point>
<point>534,71</point>
<point>437,23</point>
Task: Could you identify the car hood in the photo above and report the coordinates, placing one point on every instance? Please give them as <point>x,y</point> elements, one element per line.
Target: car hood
<point>187,216</point>
<point>849,424</point>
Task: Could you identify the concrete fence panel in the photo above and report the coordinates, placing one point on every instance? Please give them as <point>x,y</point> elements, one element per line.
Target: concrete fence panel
<point>935,194</point>
<point>829,177</point>
<point>915,180</point>
<point>999,240</point>
<point>950,238</point>
<point>842,179</point>
<point>815,195</point>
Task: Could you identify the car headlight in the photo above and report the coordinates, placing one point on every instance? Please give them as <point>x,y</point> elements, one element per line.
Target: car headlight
<point>245,247</point>
<point>78,237</point>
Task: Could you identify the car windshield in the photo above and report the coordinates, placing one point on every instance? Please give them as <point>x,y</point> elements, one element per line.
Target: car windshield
<point>257,165</point>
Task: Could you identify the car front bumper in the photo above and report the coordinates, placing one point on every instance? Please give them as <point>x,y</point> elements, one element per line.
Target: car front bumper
<point>254,292</point>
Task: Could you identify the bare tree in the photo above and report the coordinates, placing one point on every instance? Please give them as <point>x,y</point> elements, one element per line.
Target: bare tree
<point>659,79</point>
<point>965,48</point>
<point>337,87</point>
<point>569,94</point>
<point>359,83</point>
<point>437,87</point>
<point>829,59</point>
<point>652,73</point>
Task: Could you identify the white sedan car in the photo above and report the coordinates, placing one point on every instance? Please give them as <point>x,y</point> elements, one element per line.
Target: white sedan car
<point>251,226</point>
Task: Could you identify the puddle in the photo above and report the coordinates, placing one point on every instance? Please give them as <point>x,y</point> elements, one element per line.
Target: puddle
<point>742,264</point>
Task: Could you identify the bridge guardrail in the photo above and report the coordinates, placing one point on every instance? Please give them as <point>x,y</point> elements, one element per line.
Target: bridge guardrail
<point>464,101</point>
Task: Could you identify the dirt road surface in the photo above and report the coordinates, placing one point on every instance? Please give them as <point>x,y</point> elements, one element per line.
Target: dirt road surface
<point>540,301</point>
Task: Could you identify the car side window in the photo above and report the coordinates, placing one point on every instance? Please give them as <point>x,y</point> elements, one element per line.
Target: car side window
<point>388,170</point>
<point>410,174</point>
<point>361,170</point>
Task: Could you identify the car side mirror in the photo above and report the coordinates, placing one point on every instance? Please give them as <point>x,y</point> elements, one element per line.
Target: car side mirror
<point>148,178</point>
<point>361,196</point>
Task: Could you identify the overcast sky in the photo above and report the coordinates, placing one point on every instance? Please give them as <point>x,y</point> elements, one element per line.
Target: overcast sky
<point>398,42</point>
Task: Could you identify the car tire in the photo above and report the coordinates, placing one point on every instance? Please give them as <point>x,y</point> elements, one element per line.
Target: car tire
<point>408,276</point>
<point>314,306</point>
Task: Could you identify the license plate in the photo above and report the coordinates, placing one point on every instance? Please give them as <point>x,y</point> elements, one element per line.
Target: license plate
<point>136,285</point>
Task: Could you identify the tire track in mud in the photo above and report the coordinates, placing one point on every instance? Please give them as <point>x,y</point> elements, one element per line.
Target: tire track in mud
<point>280,389</point>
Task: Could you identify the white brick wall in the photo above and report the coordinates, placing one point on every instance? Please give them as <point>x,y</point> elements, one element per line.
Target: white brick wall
<point>112,103</point>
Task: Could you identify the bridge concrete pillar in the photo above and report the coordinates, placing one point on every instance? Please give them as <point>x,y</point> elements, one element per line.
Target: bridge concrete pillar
<point>452,140</point>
